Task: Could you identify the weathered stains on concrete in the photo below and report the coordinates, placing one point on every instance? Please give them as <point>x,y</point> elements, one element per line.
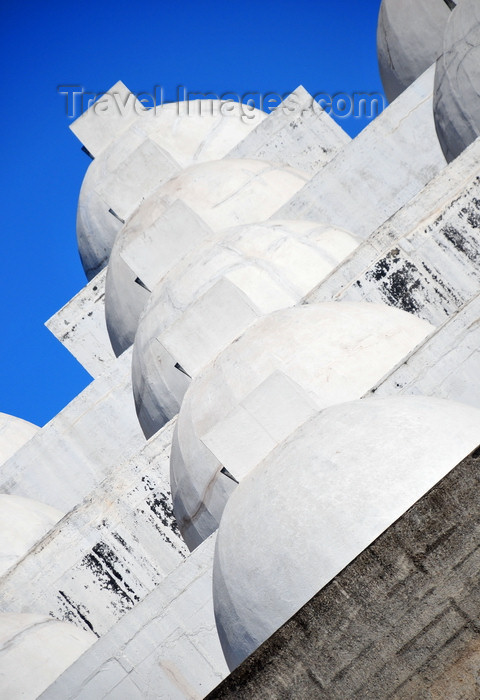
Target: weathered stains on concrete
<point>430,270</point>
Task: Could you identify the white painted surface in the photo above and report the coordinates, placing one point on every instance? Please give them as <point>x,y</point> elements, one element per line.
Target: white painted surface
<point>220,194</point>
<point>166,647</point>
<point>446,365</point>
<point>109,552</point>
<point>34,651</point>
<point>209,298</point>
<point>104,121</point>
<point>80,326</point>
<point>457,81</point>
<point>426,258</point>
<point>23,522</point>
<point>157,144</point>
<point>409,40</point>
<point>297,133</point>
<point>73,453</point>
<point>14,433</point>
<point>282,370</point>
<point>320,499</point>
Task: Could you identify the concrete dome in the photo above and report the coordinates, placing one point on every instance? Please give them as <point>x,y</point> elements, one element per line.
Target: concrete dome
<point>212,295</point>
<point>166,227</point>
<point>23,522</point>
<point>14,432</point>
<point>154,148</point>
<point>409,40</point>
<point>320,499</point>
<point>456,104</point>
<point>285,368</point>
<point>34,651</point>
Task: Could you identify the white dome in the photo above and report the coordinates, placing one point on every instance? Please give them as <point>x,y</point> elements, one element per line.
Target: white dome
<point>156,146</point>
<point>320,499</point>
<point>212,295</point>
<point>23,522</point>
<point>14,432</point>
<point>285,368</point>
<point>166,227</point>
<point>34,651</point>
<point>409,40</point>
<point>457,81</point>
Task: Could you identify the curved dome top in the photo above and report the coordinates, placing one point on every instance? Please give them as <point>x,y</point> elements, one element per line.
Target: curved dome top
<point>157,145</point>
<point>320,499</point>
<point>286,367</point>
<point>14,432</point>
<point>23,522</point>
<point>456,105</point>
<point>166,227</point>
<point>253,270</point>
<point>35,650</point>
<point>409,40</point>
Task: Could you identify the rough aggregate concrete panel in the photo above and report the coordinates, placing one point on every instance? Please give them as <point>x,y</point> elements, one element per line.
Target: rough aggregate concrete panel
<point>400,622</point>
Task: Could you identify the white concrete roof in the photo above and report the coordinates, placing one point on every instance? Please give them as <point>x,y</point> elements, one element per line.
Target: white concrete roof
<point>190,315</point>
<point>203,200</point>
<point>409,40</point>
<point>156,145</point>
<point>320,499</point>
<point>23,522</point>
<point>34,651</point>
<point>457,81</point>
<point>14,432</point>
<point>285,368</point>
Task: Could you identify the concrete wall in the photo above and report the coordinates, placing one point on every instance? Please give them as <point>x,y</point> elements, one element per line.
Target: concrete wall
<point>386,165</point>
<point>400,622</point>
<point>109,552</point>
<point>75,451</point>
<point>166,647</point>
<point>424,259</point>
<point>80,327</point>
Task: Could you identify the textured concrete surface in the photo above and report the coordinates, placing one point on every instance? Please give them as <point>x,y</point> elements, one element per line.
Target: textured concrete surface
<point>376,174</point>
<point>109,552</point>
<point>75,451</point>
<point>166,647</point>
<point>446,365</point>
<point>400,622</point>
<point>297,133</point>
<point>23,522</point>
<point>80,327</point>
<point>425,258</point>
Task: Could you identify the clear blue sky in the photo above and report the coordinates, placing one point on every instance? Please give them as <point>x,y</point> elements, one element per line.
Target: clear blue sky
<point>328,46</point>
